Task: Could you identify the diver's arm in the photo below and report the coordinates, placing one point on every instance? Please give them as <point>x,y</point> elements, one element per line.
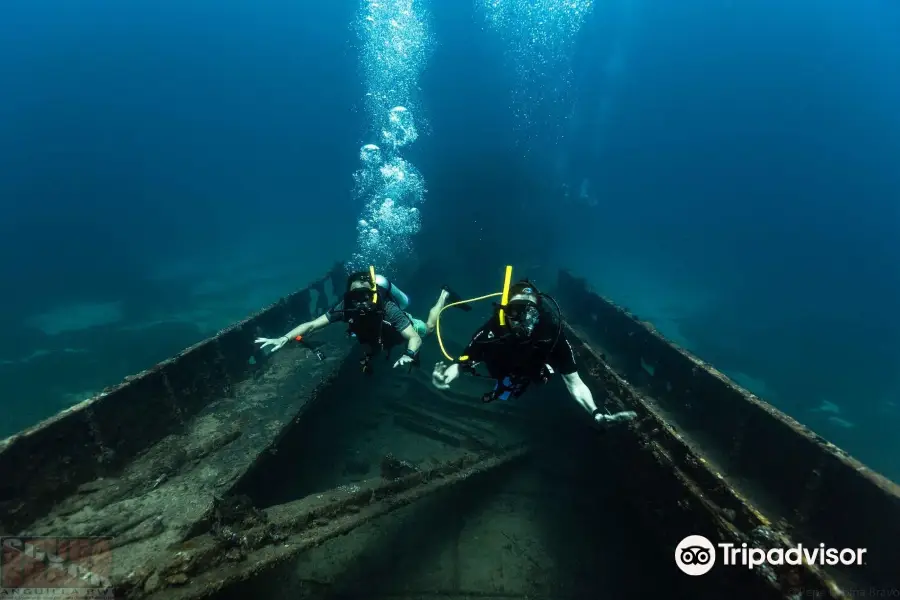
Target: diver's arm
<point>473,352</point>
<point>562,358</point>
<point>582,395</point>
<point>413,341</point>
<point>300,330</point>
<point>580,392</point>
<point>310,326</point>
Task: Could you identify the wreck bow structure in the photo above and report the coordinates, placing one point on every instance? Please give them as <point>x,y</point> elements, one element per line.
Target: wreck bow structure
<point>226,472</point>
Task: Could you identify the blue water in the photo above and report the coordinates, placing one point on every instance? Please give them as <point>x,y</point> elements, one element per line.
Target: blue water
<point>730,171</point>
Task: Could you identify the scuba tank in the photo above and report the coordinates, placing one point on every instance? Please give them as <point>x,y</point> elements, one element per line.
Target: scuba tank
<point>364,311</point>
<point>396,293</point>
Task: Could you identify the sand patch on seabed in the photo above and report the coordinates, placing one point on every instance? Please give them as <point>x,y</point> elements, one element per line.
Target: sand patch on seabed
<point>71,399</point>
<point>652,296</point>
<point>76,317</point>
<point>39,354</point>
<point>664,301</point>
<point>290,258</point>
<point>225,291</point>
<point>209,278</point>
<point>217,314</point>
<point>755,386</point>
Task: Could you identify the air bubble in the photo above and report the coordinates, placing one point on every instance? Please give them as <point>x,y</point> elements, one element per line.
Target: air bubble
<point>396,42</point>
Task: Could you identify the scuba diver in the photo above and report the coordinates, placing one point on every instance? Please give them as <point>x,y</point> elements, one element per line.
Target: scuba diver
<point>522,343</point>
<point>375,312</point>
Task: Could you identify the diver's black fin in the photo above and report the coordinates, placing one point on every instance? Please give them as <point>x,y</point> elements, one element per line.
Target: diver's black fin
<point>454,297</point>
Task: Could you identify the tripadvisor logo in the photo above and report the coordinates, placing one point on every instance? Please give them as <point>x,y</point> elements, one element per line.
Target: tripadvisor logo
<point>696,555</point>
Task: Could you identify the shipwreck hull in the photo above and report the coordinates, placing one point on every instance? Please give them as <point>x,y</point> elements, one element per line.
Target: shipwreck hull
<point>759,469</point>
<point>142,460</point>
<point>226,473</point>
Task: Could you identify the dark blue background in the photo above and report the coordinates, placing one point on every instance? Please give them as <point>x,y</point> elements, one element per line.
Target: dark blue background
<point>752,150</point>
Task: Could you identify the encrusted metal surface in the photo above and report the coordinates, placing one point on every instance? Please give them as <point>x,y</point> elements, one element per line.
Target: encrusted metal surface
<point>261,540</point>
<point>103,436</point>
<point>752,467</point>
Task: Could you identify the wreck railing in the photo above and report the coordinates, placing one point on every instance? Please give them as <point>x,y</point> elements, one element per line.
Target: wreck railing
<point>98,437</point>
<point>804,484</point>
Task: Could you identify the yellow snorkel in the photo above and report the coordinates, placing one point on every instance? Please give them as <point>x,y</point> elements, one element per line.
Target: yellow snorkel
<point>504,299</point>
<point>374,285</point>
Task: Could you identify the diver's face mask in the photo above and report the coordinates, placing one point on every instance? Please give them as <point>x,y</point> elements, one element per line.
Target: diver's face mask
<point>359,302</point>
<point>523,317</point>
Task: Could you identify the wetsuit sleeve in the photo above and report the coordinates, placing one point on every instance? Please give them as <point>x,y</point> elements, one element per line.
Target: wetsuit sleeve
<point>398,319</point>
<point>334,313</point>
<point>562,359</point>
<point>474,352</point>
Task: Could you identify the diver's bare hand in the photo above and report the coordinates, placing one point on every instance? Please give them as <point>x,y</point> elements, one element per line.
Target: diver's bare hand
<point>619,417</point>
<point>443,375</point>
<point>404,360</point>
<point>275,343</point>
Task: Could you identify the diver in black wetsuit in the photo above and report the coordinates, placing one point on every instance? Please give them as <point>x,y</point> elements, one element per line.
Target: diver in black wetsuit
<point>529,348</point>
<point>374,310</point>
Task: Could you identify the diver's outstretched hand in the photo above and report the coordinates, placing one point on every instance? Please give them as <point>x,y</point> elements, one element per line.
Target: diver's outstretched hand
<point>619,417</point>
<point>275,343</point>
<point>405,360</point>
<point>443,375</point>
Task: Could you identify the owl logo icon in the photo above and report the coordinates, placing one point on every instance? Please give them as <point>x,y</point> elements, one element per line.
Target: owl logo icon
<point>695,555</point>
